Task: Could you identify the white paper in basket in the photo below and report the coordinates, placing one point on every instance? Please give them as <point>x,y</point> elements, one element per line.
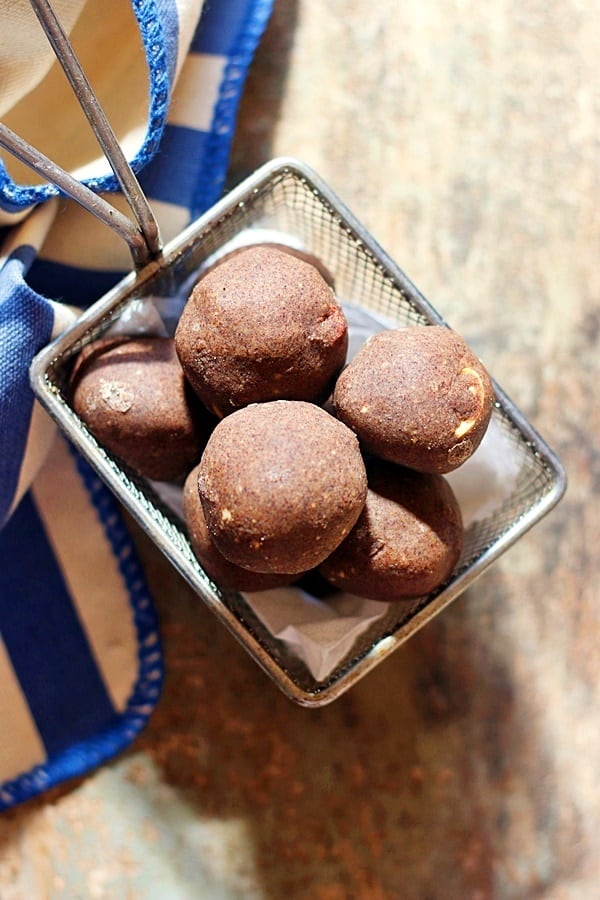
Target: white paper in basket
<point>320,632</point>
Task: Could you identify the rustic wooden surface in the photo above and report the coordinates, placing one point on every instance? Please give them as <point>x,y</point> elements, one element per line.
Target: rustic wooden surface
<point>465,135</point>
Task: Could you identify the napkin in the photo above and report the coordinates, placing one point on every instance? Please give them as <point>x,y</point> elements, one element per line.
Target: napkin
<point>80,657</point>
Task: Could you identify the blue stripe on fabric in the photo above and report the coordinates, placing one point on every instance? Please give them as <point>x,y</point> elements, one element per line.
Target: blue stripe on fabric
<point>24,254</point>
<point>171,175</point>
<point>68,284</point>
<point>12,198</point>
<point>219,26</point>
<point>82,755</point>
<point>26,321</point>
<point>47,646</point>
<point>243,22</point>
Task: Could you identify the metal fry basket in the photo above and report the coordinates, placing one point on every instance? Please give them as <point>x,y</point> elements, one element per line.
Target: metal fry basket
<point>286,199</point>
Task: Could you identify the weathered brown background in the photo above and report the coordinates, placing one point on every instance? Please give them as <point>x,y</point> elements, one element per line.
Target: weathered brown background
<point>467,766</point>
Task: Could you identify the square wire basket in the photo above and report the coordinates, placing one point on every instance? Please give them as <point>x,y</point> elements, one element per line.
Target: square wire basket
<point>287,197</point>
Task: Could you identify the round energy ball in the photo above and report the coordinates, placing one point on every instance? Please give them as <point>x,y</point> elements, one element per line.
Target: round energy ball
<point>223,573</point>
<point>261,325</point>
<point>417,396</point>
<point>284,248</point>
<point>281,485</point>
<point>407,539</point>
<point>133,396</point>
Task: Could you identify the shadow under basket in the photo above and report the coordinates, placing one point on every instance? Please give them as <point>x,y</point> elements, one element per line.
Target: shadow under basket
<point>286,202</point>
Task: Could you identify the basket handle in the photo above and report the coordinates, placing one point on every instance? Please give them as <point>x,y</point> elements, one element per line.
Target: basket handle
<point>144,238</point>
<point>102,209</point>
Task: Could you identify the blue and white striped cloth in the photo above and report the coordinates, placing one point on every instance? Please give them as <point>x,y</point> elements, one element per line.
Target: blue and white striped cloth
<point>80,658</point>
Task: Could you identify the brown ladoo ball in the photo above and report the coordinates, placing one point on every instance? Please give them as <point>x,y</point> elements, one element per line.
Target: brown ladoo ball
<point>224,573</point>
<point>418,397</point>
<point>407,540</point>
<point>261,325</point>
<point>281,485</point>
<point>284,248</point>
<point>133,396</point>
